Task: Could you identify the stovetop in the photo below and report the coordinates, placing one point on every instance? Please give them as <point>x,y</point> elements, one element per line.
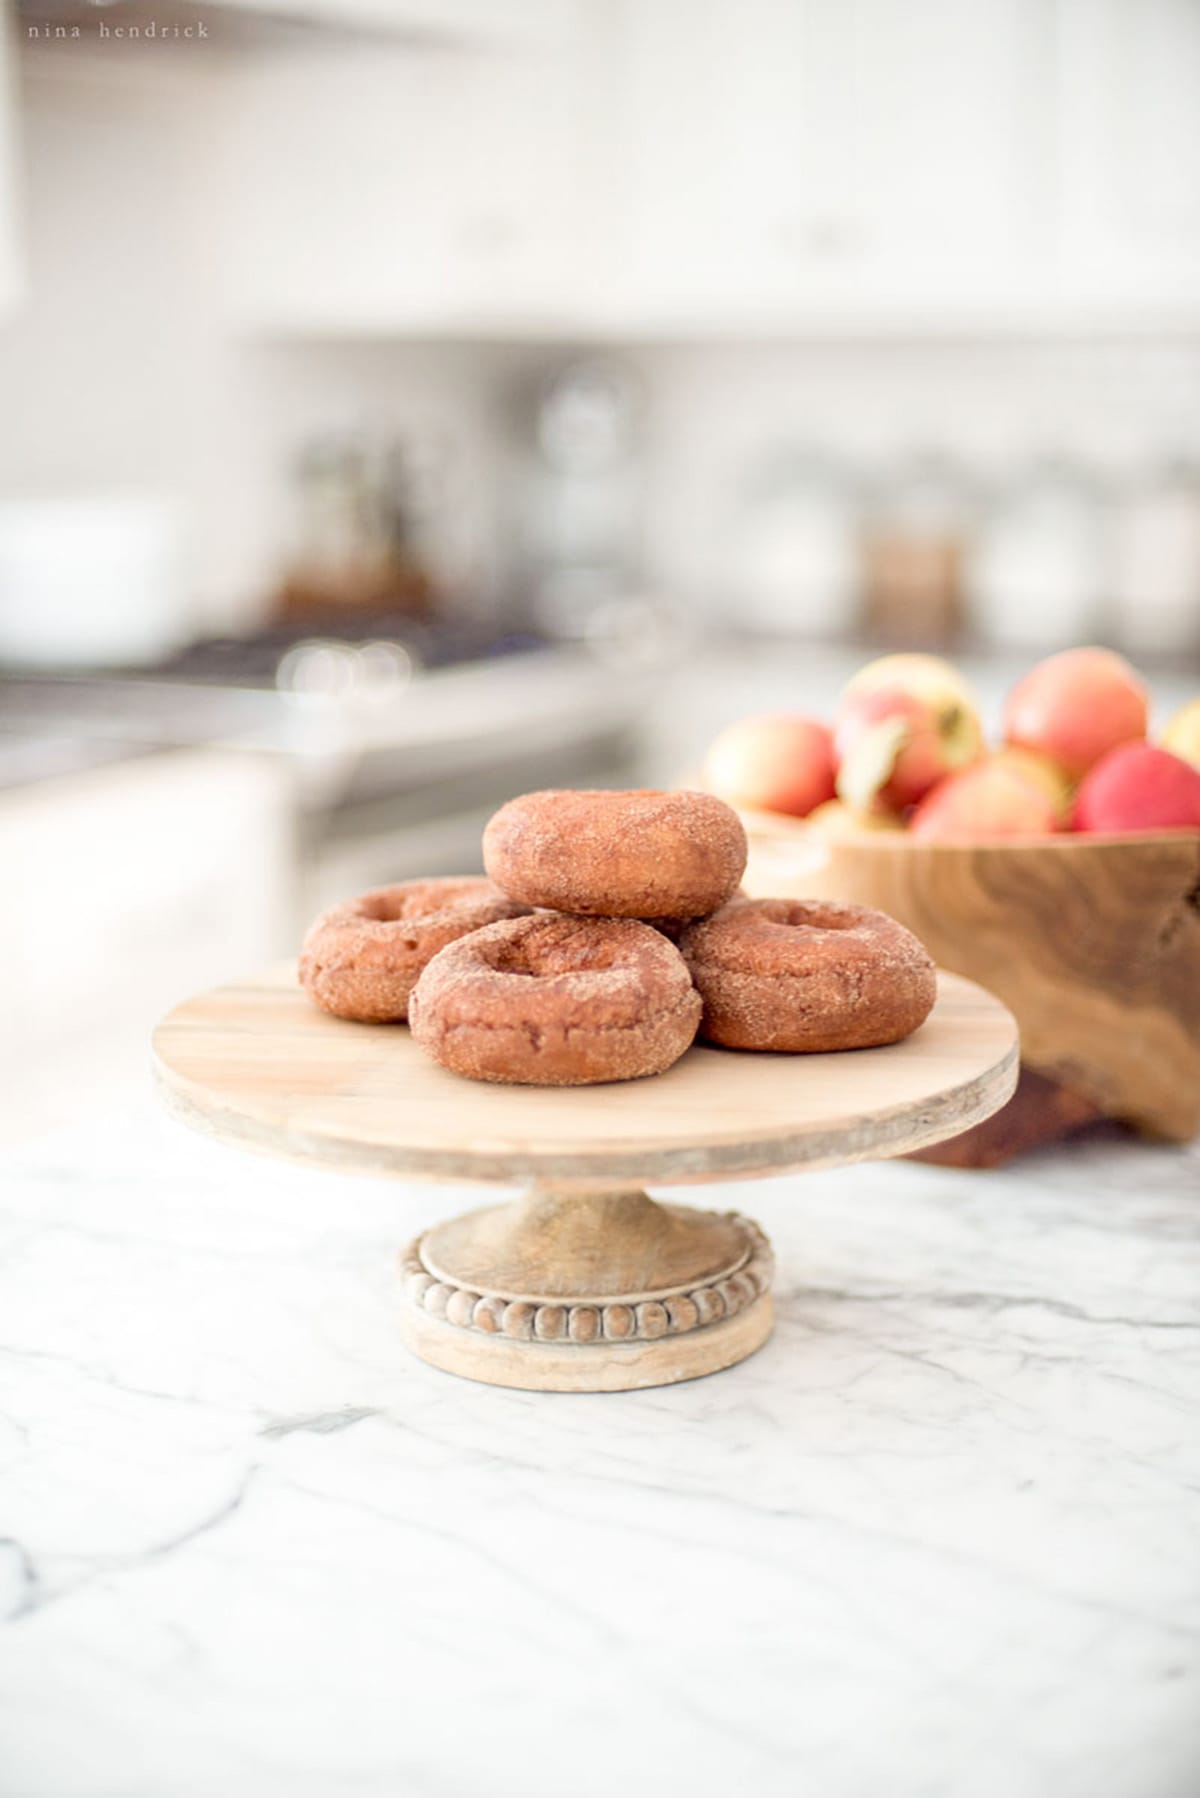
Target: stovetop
<point>57,721</point>
<point>259,659</point>
<point>386,692</point>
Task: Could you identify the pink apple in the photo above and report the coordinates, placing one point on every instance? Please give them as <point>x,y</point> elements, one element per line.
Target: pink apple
<point>892,746</point>
<point>983,803</point>
<point>1076,706</point>
<point>776,763</point>
<point>1139,787</point>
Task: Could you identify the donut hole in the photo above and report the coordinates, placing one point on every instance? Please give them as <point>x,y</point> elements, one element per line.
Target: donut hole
<point>543,955</point>
<point>386,908</point>
<point>415,903</point>
<point>805,914</point>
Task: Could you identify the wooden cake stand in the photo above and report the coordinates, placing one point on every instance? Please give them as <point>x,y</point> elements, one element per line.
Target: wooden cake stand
<point>584,1284</point>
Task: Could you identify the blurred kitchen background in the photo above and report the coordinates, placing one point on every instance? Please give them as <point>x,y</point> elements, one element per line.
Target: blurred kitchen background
<point>407,402</point>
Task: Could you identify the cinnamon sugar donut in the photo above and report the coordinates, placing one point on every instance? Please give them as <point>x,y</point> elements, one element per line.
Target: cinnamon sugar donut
<point>640,854</point>
<point>807,975</point>
<point>556,1001</point>
<point>361,960</point>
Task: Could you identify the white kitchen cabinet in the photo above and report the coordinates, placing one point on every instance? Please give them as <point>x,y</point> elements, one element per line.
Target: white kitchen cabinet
<point>428,188</point>
<point>124,890</point>
<point>937,114</point>
<point>726,167</point>
<point>1128,110</point>
<point>792,159</point>
<point>843,165</point>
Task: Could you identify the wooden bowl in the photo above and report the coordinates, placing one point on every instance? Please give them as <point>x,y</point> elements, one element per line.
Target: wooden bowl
<point>1092,942</point>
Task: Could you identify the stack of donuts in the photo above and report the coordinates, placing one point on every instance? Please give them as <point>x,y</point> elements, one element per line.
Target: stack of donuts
<point>608,935</point>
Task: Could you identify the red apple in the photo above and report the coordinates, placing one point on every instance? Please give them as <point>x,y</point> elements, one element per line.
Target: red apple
<point>776,763</point>
<point>1139,787</point>
<point>892,746</point>
<point>1076,706</point>
<point>981,804</point>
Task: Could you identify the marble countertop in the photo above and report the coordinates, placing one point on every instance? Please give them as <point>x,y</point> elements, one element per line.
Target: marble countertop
<point>939,1539</point>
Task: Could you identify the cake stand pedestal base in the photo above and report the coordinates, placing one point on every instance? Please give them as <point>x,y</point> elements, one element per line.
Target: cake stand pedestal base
<point>587,1289</point>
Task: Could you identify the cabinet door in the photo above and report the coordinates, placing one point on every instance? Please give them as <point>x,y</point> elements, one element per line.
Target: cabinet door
<point>706,124</point>
<point>786,156</point>
<point>421,188</point>
<point>735,199</point>
<point>942,125</point>
<point>1129,107</point>
<point>125,890</point>
<point>128,887</point>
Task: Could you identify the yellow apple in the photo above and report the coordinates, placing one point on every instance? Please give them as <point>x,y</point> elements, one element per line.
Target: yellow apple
<point>904,723</point>
<point>1182,735</point>
<point>928,678</point>
<point>1042,771</point>
<point>836,820</point>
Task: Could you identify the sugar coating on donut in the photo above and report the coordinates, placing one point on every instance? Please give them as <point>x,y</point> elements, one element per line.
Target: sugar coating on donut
<point>807,975</point>
<point>556,1001</point>
<point>641,854</point>
<point>361,959</point>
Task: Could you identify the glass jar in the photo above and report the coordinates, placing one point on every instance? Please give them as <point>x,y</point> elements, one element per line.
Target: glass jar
<point>1037,567</point>
<point>1156,561</point>
<point>913,551</point>
<point>793,554</point>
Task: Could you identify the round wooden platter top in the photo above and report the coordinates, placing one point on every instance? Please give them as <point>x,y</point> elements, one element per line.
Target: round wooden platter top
<point>256,1064</point>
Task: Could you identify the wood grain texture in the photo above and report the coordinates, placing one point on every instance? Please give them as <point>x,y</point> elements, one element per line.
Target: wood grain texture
<point>1093,942</point>
<point>258,1065</point>
<point>614,1367</point>
<point>585,1292</point>
<point>1040,1111</point>
<point>549,1248</point>
<point>586,1284</point>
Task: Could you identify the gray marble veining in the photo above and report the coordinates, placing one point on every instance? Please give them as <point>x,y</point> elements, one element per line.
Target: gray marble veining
<point>940,1539</point>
